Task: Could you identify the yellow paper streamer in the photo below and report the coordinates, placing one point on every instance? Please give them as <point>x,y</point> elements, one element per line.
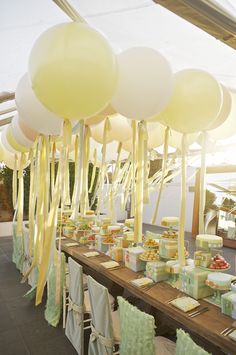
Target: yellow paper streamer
<point>94,170</point>
<point>202,197</point>
<point>139,185</point>
<point>146,170</point>
<point>181,254</point>
<point>20,200</point>
<point>134,134</point>
<point>14,183</point>
<point>75,171</point>
<point>84,194</point>
<point>164,164</point>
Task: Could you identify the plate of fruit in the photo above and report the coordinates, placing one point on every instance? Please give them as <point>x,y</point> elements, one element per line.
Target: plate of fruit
<point>151,244</point>
<point>218,263</point>
<point>150,255</point>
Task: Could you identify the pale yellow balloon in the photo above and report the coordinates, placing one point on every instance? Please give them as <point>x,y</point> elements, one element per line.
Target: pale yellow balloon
<point>1,152</point>
<point>108,111</point>
<point>9,158</point>
<point>13,143</point>
<point>225,109</point>
<point>73,70</point>
<point>97,132</point>
<point>195,103</point>
<point>120,128</point>
<point>228,128</point>
<point>175,139</point>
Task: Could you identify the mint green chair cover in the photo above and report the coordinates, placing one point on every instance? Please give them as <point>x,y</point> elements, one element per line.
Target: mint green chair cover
<point>75,316</point>
<point>18,246</point>
<point>186,346</point>
<point>53,310</point>
<point>137,330</point>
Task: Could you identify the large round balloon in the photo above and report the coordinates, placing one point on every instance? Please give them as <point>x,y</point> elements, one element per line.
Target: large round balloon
<point>175,139</point>
<point>224,111</point>
<point>155,133</point>
<point>144,83</point>
<point>120,128</point>
<point>9,158</point>
<point>13,143</point>
<point>28,132</point>
<point>73,70</point>
<point>195,103</point>
<point>108,111</point>
<point>228,128</point>
<point>5,142</point>
<point>97,132</point>
<point>18,134</point>
<point>33,112</point>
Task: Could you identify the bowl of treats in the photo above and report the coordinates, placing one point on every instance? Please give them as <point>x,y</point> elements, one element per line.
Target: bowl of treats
<point>151,244</point>
<point>149,255</point>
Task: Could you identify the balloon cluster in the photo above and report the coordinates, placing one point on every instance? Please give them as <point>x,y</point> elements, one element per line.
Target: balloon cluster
<point>74,74</point>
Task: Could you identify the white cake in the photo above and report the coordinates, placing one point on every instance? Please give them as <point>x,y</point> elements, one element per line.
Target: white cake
<point>219,280</point>
<point>170,221</point>
<point>206,241</point>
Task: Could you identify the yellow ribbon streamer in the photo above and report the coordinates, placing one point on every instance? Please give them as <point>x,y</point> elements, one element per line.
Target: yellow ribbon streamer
<point>181,254</point>
<point>20,203</point>
<point>94,170</point>
<point>202,199</point>
<point>14,183</point>
<point>134,134</point>
<point>164,164</point>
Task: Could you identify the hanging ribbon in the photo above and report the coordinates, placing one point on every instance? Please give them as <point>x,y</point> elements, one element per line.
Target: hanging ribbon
<point>164,164</point>
<point>107,127</point>
<point>75,171</point>
<point>146,169</point>
<point>94,170</point>
<point>181,254</point>
<point>52,182</point>
<point>76,206</point>
<point>202,197</point>
<point>20,200</point>
<point>139,185</point>
<point>134,134</point>
<point>84,194</point>
<point>14,183</point>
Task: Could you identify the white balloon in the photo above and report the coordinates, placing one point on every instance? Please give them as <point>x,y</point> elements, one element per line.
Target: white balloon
<point>9,158</point>
<point>33,113</point>
<point>145,83</point>
<point>5,143</point>
<point>19,136</point>
<point>97,132</point>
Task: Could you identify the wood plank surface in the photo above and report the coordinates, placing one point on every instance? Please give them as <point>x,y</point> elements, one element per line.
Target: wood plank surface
<point>206,326</point>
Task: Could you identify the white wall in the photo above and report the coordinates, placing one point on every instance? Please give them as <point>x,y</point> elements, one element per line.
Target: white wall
<point>170,202</point>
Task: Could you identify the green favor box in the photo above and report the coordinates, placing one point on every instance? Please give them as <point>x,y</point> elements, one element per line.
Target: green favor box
<point>193,282</point>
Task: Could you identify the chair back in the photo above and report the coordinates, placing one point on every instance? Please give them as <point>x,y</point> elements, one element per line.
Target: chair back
<point>75,316</point>
<point>186,346</point>
<point>137,330</point>
<point>101,338</point>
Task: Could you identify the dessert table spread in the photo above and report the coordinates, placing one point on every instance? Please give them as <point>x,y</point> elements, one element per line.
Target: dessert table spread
<point>207,326</point>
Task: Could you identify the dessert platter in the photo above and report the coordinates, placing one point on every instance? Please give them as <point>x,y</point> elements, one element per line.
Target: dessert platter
<point>150,255</point>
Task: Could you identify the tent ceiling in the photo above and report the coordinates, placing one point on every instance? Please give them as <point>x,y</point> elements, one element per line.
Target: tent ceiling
<point>207,16</point>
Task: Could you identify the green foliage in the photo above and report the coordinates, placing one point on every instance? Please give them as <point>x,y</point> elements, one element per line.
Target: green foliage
<point>6,177</point>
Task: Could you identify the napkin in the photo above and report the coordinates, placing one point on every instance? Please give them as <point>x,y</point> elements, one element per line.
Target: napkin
<point>143,281</point>
<point>91,253</point>
<point>185,303</point>
<point>110,264</point>
<point>72,244</point>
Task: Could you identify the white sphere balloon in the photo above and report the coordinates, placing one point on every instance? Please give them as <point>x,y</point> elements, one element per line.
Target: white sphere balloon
<point>97,132</point>
<point>18,134</point>
<point>120,128</point>
<point>145,83</point>
<point>5,142</point>
<point>32,111</point>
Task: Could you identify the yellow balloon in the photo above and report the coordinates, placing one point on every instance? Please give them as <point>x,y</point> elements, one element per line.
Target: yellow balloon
<point>224,111</point>
<point>1,152</point>
<point>175,139</point>
<point>108,111</point>
<point>73,70</point>
<point>195,103</point>
<point>13,143</point>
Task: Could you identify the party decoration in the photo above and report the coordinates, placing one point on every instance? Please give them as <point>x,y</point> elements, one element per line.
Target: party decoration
<point>18,134</point>
<point>144,83</point>
<point>5,142</point>
<point>28,132</point>
<point>1,152</point>
<point>195,103</point>
<point>120,128</point>
<point>108,111</point>
<point>97,132</point>
<point>175,139</point>
<point>226,129</point>
<point>9,159</point>
<point>13,143</point>
<point>34,114</point>
<point>73,70</point>
<point>225,109</point>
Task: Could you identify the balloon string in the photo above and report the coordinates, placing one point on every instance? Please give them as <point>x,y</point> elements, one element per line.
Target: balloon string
<point>181,253</point>
<point>146,168</point>
<point>139,185</point>
<point>164,164</point>
<point>94,170</point>
<point>75,171</point>
<point>202,199</point>
<point>69,10</point>
<point>14,183</point>
<point>134,134</point>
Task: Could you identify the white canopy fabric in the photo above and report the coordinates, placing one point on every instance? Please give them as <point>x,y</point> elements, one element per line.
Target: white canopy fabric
<point>126,23</point>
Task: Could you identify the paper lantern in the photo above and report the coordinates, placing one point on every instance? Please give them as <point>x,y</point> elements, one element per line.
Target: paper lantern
<point>224,111</point>
<point>73,70</point>
<point>195,103</point>
<point>144,83</point>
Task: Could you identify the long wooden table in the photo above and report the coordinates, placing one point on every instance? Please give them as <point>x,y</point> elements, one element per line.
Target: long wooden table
<point>204,328</point>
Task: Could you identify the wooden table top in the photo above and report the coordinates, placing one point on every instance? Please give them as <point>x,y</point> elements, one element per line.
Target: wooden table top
<point>207,325</point>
